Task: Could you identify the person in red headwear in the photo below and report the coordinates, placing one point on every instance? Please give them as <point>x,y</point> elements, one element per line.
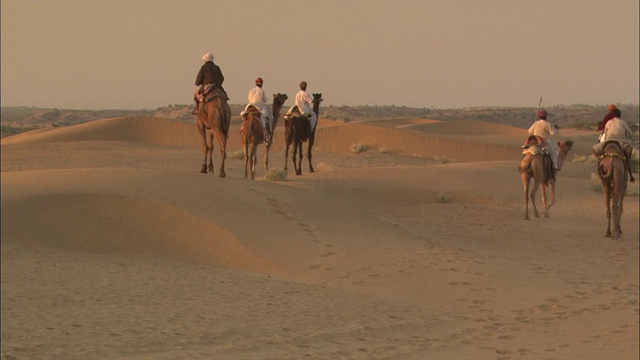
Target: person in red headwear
<point>258,99</point>
<point>610,115</point>
<point>543,130</point>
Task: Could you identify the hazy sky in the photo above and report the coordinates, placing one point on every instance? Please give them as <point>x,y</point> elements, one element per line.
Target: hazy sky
<point>144,54</point>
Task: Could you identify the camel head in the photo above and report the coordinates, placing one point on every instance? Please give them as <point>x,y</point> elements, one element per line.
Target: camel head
<point>565,145</point>
<point>280,98</point>
<point>317,97</point>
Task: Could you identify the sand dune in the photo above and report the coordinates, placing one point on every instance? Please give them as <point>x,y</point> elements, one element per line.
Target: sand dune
<point>115,247</point>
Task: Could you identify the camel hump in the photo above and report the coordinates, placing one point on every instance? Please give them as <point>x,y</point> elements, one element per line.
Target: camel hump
<point>535,150</point>
<point>615,142</point>
<point>216,93</point>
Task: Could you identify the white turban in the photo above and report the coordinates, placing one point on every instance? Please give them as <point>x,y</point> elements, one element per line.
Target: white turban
<point>207,57</point>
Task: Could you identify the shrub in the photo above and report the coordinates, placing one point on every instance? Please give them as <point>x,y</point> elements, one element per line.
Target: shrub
<point>276,175</point>
<point>585,159</point>
<point>444,198</point>
<point>358,148</point>
<point>237,154</point>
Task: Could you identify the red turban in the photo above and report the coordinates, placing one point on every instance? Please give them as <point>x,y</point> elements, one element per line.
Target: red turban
<point>259,81</point>
<point>611,107</point>
<point>542,114</point>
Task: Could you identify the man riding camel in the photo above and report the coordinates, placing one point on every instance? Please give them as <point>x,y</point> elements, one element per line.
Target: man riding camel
<point>304,103</point>
<point>543,130</point>
<point>209,78</point>
<point>258,99</point>
<point>617,129</point>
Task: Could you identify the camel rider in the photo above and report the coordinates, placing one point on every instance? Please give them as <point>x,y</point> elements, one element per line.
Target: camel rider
<point>258,99</point>
<point>617,129</point>
<point>543,130</point>
<point>610,115</point>
<point>304,103</point>
<point>209,77</point>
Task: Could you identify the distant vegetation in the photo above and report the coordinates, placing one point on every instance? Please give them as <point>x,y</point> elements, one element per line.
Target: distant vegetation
<point>15,120</point>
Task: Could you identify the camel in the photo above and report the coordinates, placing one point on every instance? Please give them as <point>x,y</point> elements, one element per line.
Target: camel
<point>536,165</point>
<point>251,135</point>
<point>213,116</point>
<point>317,98</point>
<point>278,102</point>
<point>298,130</point>
<point>612,169</point>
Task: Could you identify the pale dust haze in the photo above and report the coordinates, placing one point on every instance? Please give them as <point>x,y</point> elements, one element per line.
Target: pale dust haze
<point>134,54</point>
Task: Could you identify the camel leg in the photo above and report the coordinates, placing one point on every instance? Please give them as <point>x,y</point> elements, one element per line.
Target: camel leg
<point>210,153</point>
<point>617,213</point>
<point>286,155</point>
<point>246,159</point>
<point>299,162</point>
<point>222,143</point>
<point>607,203</point>
<point>205,148</point>
<point>294,156</point>
<point>543,190</point>
<point>552,190</point>
<point>266,157</point>
<point>525,181</point>
<point>312,139</point>
<point>254,150</point>
<point>532,198</point>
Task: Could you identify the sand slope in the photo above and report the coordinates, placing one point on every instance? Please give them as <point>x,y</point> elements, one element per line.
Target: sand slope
<point>115,247</point>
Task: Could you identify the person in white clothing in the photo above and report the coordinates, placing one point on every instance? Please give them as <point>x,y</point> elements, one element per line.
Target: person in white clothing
<point>543,129</point>
<point>304,103</point>
<point>617,129</point>
<point>258,99</point>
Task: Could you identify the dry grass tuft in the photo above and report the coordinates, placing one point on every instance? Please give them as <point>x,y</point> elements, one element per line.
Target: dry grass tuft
<point>276,175</point>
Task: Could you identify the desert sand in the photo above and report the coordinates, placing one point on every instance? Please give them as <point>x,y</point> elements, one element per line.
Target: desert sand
<point>114,246</point>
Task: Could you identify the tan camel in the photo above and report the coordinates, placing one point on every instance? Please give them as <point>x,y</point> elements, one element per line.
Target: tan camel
<point>536,165</point>
<point>251,136</point>
<point>612,169</point>
<point>213,116</point>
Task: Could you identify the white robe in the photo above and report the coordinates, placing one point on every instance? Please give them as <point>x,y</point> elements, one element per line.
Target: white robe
<point>304,102</point>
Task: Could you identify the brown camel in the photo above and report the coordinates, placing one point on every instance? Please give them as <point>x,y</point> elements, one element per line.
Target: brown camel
<point>536,165</point>
<point>297,130</point>
<point>278,102</point>
<point>213,116</point>
<point>612,169</point>
<point>251,136</point>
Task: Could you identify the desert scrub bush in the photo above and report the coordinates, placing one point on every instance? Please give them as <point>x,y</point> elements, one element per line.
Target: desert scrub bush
<point>585,159</point>
<point>276,175</point>
<point>442,160</point>
<point>8,130</point>
<point>237,154</point>
<point>358,148</point>
<point>444,198</point>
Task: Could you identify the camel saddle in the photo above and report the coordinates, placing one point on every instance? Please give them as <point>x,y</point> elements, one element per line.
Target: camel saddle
<point>210,92</point>
<point>624,150</point>
<point>534,146</point>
